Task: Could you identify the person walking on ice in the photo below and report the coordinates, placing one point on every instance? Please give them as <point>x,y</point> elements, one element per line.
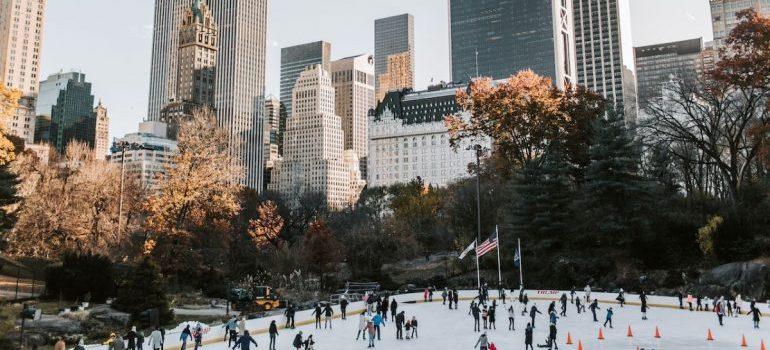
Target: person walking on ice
<point>475,312</point>
<point>362,321</point>
<point>414,327</point>
<point>393,309</point>
<point>511,316</point>
<point>273,333</point>
<point>444,294</point>
<point>328,312</point>
<point>483,342</point>
<point>344,307</point>
<point>297,343</point>
<point>528,337</point>
<point>533,312</point>
<point>621,298</point>
<point>756,315</point>
<point>587,290</point>
<point>563,301</point>
<point>371,331</point>
<point>608,319</point>
<point>595,306</point>
<point>400,319</point>
<point>719,309</point>
<point>245,341</point>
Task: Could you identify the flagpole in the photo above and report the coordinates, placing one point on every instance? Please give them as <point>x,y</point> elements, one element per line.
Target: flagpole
<point>499,270</point>
<point>521,264</point>
<point>478,273</point>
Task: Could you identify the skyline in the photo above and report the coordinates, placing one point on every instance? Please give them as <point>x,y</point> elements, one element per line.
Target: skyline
<point>116,57</point>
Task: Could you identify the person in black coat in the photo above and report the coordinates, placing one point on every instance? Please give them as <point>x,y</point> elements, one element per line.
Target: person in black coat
<point>343,308</point>
<point>385,306</point>
<point>532,313</point>
<point>475,311</point>
<point>328,312</point>
<point>245,341</point>
<point>400,319</point>
<point>594,306</point>
<point>290,311</point>
<point>456,296</point>
<point>393,309</point>
<point>273,331</point>
<point>528,338</point>
<point>317,312</point>
<point>297,343</point>
<point>130,337</point>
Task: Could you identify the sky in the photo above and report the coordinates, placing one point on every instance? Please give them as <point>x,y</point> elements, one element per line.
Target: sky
<point>110,40</point>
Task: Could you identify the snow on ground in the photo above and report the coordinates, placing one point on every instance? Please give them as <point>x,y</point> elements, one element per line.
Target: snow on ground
<point>440,328</point>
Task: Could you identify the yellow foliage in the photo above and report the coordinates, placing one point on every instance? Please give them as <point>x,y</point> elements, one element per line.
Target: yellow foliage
<point>9,101</point>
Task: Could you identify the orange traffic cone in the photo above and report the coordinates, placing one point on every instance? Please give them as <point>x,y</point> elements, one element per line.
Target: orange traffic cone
<point>743,342</point>
<point>629,334</point>
<point>657,332</point>
<point>709,337</point>
<point>601,335</point>
<point>580,345</point>
<point>762,345</point>
<point>569,339</point>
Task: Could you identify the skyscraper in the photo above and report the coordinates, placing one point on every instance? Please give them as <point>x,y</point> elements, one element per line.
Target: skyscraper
<point>294,60</point>
<point>102,131</point>
<point>314,159</point>
<point>272,120</point>
<point>723,18</point>
<point>72,115</point>
<point>353,81</point>
<point>599,52</point>
<point>21,37</point>
<point>165,47</point>
<point>393,37</point>
<point>657,64</point>
<point>497,38</point>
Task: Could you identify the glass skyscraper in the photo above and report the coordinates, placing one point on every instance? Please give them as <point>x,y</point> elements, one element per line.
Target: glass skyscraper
<point>72,112</point>
<point>294,60</point>
<point>657,64</point>
<point>393,36</point>
<point>497,38</point>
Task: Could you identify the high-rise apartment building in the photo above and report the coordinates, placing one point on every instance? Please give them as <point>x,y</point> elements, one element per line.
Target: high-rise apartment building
<point>272,119</point>
<point>149,162</point>
<point>393,53</point>
<point>72,115</point>
<point>239,82</point>
<point>599,52</point>
<point>102,134</point>
<point>497,38</point>
<point>294,60</point>
<point>314,158</point>
<point>353,81</point>
<point>21,37</point>
<point>723,15</point>
<point>658,64</point>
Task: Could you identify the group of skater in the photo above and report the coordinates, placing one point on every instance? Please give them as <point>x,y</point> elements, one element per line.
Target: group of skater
<point>721,306</point>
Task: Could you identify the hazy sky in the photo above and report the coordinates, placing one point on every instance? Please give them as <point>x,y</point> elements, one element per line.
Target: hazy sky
<point>110,40</point>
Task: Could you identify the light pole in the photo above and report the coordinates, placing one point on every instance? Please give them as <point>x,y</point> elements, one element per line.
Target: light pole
<point>122,146</point>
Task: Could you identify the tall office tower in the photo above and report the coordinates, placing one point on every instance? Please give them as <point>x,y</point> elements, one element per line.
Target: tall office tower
<point>165,47</point>
<point>658,64</point>
<point>72,114</point>
<point>270,143</point>
<point>314,159</point>
<point>599,53</point>
<point>393,36</point>
<point>723,18</point>
<point>497,38</point>
<point>294,60</point>
<point>102,134</point>
<point>353,81</point>
<point>240,80</point>
<point>196,66</point>
<point>21,36</point>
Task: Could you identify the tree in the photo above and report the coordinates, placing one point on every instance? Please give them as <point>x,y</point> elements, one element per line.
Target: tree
<point>196,201</point>
<point>321,251</point>
<point>144,290</point>
<point>9,101</point>
<point>266,229</point>
<point>81,277</point>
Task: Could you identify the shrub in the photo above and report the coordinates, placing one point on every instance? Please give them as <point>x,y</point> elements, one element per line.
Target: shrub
<point>144,290</point>
<point>81,277</point>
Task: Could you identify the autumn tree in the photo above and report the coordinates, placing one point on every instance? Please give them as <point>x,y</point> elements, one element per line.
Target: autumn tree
<point>196,201</point>
<point>321,252</point>
<point>266,228</point>
<point>9,101</point>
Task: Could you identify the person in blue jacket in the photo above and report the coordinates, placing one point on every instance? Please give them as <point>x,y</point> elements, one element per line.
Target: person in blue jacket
<point>245,341</point>
<point>609,317</point>
<point>378,321</point>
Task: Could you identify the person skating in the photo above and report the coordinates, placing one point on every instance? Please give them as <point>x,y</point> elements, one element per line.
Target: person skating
<point>511,318</point>
<point>738,305</point>
<point>425,295</point>
<point>130,337</point>
<point>393,309</point>
<point>456,296</point>
<point>290,312</point>
<point>198,336</point>
<point>552,336</point>
<point>317,312</point>
<point>719,309</point>
<point>621,298</point>
<point>756,315</point>
<point>552,307</point>
<point>643,300</point>
<point>378,322</point>
<point>485,316</point>
<point>385,306</point>
<point>310,343</point>
<point>729,306</point>
<point>563,301</point>
<point>533,312</point>
<point>528,337</point>
<point>450,296</point>
<point>491,315</point>
<point>231,330</point>
<point>156,340</point>
<point>430,294</point>
<point>587,291</point>
<point>699,303</point>
<point>344,307</point>
<point>706,302</point>
<point>552,317</point>
<point>328,312</point>
<point>680,297</point>
<point>273,333</point>
<point>594,306</point>
<point>400,319</point>
<point>140,340</point>
<point>362,321</point>
<point>572,295</point>
<point>483,342</point>
<point>577,305</point>
<point>297,343</point>
<point>371,330</point>
<point>608,319</point>
<point>444,295</point>
<point>184,336</point>
<point>117,342</point>
<point>414,327</point>
<point>475,312</point>
<point>246,340</point>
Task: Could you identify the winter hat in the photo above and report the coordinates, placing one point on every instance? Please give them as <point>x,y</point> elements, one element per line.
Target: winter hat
<point>133,329</point>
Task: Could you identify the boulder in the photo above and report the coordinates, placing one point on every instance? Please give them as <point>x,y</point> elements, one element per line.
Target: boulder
<point>110,316</point>
<point>55,325</point>
<point>420,269</point>
<point>750,279</point>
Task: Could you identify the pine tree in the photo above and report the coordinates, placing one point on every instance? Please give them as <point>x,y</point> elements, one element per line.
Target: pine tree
<point>616,196</point>
<point>144,290</point>
<point>8,196</point>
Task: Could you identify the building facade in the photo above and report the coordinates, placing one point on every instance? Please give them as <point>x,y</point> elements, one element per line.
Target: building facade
<point>272,119</point>
<point>148,164</point>
<point>72,116</point>
<point>165,47</point>
<point>658,64</point>
<point>408,139</point>
<point>314,158</point>
<point>102,135</point>
<point>599,52</point>
<point>353,82</point>
<point>22,123</point>
<point>393,37</point>
<point>723,15</point>
<point>294,60</point>
<point>497,38</point>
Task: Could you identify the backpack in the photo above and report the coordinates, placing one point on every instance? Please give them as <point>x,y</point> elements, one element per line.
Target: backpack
<point>492,346</point>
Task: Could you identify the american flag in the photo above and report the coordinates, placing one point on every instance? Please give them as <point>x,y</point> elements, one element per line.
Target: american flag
<point>487,246</point>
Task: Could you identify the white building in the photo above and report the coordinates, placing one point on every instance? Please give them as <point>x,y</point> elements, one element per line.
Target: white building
<point>151,154</point>
<point>408,140</point>
<point>314,158</point>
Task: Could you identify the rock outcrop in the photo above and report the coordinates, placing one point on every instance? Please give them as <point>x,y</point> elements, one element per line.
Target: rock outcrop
<point>750,279</point>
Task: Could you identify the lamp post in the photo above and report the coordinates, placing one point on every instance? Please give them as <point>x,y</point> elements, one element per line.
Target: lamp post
<point>122,146</point>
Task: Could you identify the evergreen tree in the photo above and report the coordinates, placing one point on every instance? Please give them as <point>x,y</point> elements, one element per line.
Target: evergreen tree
<point>8,196</point>
<point>616,197</point>
<point>144,290</point>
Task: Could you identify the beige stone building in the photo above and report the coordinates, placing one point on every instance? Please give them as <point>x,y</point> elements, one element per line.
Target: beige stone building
<point>353,81</point>
<point>102,137</point>
<point>314,159</point>
<point>272,115</point>
<point>21,36</point>
<point>399,74</point>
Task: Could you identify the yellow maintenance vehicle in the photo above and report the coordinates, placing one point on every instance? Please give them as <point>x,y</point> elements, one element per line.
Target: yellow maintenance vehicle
<point>260,298</point>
